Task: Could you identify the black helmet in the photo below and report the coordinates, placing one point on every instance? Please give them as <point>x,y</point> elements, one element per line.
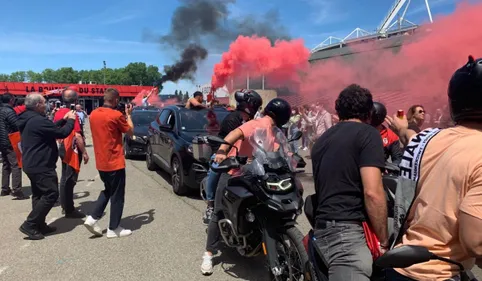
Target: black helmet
<point>279,110</point>
<point>465,91</point>
<point>379,112</point>
<point>248,101</point>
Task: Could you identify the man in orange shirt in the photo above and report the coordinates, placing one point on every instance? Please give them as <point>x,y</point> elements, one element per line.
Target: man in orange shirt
<point>446,166</point>
<point>107,125</point>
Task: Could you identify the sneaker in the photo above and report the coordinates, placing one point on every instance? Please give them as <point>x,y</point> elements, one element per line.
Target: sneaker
<point>46,229</point>
<point>207,265</point>
<point>5,193</point>
<point>74,214</point>
<point>118,232</point>
<point>92,226</point>
<point>33,234</point>
<point>208,214</point>
<point>19,196</point>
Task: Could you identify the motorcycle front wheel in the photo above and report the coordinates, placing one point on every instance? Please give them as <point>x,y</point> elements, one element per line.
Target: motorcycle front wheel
<point>292,256</point>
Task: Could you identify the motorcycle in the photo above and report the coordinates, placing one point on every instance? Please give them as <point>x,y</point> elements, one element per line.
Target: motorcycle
<point>317,267</point>
<point>407,255</point>
<point>261,204</point>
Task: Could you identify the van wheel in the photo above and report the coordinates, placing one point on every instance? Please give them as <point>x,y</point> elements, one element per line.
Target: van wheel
<point>177,177</point>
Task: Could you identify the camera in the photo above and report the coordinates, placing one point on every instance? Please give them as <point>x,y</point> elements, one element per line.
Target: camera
<point>121,106</point>
<point>72,107</point>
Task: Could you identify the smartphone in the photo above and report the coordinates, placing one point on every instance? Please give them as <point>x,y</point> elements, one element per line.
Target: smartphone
<point>72,107</point>
<point>400,114</point>
<point>57,105</point>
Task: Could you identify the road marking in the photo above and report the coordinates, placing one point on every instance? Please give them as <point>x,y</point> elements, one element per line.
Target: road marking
<point>2,269</point>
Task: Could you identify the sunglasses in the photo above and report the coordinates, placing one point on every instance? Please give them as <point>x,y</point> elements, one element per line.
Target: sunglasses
<point>421,111</point>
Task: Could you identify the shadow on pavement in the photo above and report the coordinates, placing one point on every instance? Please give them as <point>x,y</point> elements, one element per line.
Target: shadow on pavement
<point>253,269</point>
<point>194,194</point>
<point>65,225</point>
<point>135,222</point>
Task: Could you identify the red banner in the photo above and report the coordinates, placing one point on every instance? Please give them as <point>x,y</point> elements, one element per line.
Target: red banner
<point>71,157</point>
<point>15,140</point>
<point>91,90</point>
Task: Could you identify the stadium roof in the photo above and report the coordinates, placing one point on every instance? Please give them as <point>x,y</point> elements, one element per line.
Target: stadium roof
<point>378,44</point>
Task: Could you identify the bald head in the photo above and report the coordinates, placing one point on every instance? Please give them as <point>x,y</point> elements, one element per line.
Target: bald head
<point>69,97</point>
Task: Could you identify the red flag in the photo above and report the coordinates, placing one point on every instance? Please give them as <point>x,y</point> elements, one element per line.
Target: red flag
<point>15,140</point>
<point>372,240</point>
<point>71,157</point>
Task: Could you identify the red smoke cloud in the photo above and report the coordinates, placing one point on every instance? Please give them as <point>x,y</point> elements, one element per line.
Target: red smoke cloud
<point>417,74</point>
<point>153,100</point>
<point>255,56</point>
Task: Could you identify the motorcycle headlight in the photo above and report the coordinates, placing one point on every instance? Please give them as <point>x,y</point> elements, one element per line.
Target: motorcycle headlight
<point>279,185</point>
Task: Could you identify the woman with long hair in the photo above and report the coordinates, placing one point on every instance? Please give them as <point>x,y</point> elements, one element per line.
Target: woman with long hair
<point>416,117</point>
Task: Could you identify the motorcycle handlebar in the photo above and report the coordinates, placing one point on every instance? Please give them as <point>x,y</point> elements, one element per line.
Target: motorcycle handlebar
<point>226,165</point>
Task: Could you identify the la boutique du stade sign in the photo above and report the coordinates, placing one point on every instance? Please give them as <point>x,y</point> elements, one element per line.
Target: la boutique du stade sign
<point>22,88</point>
<point>82,89</point>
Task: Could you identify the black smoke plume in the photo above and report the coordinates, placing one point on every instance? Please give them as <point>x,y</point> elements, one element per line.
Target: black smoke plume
<point>197,23</point>
<point>208,22</point>
<point>185,67</point>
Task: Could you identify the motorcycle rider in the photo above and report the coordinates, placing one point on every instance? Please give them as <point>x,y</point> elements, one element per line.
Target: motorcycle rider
<point>347,167</point>
<point>391,144</point>
<point>276,113</point>
<point>248,102</point>
<point>446,208</point>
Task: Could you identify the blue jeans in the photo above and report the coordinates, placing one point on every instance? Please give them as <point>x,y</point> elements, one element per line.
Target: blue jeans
<point>212,182</point>
<point>294,144</point>
<point>345,249</point>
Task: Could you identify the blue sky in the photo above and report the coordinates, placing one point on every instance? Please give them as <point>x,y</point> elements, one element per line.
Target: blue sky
<point>35,35</point>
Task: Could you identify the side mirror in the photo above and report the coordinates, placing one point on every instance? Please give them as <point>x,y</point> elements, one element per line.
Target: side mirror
<point>165,127</point>
<point>404,256</point>
<point>216,140</point>
<point>296,136</point>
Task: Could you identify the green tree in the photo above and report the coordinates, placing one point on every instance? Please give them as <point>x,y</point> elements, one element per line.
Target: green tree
<point>18,76</point>
<point>50,76</point>
<point>67,75</point>
<point>137,73</point>
<point>34,76</point>
<point>153,75</point>
<point>4,77</point>
<point>186,97</point>
<point>176,93</point>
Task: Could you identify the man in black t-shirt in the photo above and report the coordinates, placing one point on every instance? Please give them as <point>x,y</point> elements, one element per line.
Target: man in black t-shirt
<point>347,163</point>
<point>248,104</point>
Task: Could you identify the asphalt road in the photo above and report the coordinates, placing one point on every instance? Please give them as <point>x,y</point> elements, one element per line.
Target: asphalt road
<point>167,243</point>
